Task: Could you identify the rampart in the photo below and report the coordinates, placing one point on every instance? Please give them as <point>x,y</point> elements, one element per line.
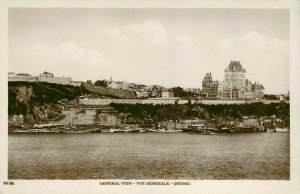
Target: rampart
<point>23,79</point>
<point>157,101</point>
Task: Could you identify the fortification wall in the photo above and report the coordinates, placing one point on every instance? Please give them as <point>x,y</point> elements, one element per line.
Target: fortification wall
<point>75,83</point>
<point>56,80</point>
<point>220,102</point>
<point>23,79</point>
<point>106,119</point>
<point>78,117</point>
<point>170,101</point>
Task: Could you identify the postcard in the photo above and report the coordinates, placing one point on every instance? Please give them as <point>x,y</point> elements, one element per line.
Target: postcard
<point>148,97</point>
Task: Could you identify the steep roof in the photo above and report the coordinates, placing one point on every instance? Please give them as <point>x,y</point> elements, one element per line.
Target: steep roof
<point>23,74</point>
<point>46,72</point>
<point>235,66</point>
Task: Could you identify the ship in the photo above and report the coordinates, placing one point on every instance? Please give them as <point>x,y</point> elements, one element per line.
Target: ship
<point>203,131</point>
<point>282,130</point>
<point>96,130</point>
<point>150,130</point>
<point>135,130</point>
<point>115,130</point>
<point>168,130</point>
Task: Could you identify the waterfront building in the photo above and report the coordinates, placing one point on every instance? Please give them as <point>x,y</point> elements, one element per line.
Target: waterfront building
<point>195,123</point>
<point>172,125</point>
<point>209,87</point>
<point>251,122</point>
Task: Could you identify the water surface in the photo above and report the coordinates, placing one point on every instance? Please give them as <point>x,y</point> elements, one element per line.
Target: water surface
<point>149,156</point>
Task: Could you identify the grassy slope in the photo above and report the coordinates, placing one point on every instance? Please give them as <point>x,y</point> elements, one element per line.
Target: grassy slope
<point>107,91</point>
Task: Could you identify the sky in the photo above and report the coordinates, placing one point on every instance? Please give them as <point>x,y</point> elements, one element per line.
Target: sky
<point>168,47</point>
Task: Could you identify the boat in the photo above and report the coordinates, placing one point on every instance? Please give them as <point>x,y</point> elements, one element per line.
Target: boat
<point>246,129</point>
<point>150,130</point>
<point>114,130</point>
<point>96,130</point>
<point>142,130</point>
<point>78,131</point>
<point>134,130</point>
<point>202,133</point>
<point>186,130</point>
<point>168,130</point>
<point>282,130</point>
<point>226,129</point>
<point>270,130</point>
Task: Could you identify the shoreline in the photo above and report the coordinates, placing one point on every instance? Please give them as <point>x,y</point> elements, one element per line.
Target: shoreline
<point>107,132</point>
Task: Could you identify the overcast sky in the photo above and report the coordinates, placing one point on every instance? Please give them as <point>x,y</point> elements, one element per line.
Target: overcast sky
<point>168,47</point>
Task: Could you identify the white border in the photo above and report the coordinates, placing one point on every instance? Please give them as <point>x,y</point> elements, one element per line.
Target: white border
<point>92,186</point>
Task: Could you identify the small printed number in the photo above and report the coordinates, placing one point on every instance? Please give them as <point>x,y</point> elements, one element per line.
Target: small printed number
<point>8,183</point>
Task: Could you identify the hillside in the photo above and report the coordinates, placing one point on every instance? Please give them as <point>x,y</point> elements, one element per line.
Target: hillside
<point>142,113</point>
<point>23,96</point>
<point>103,91</point>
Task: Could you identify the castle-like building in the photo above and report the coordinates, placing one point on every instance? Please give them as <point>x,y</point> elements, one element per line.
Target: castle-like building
<point>235,75</point>
<point>235,85</point>
<point>43,77</point>
<point>209,86</point>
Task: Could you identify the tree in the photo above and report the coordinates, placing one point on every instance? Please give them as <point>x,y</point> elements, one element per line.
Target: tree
<point>102,83</point>
<point>179,92</point>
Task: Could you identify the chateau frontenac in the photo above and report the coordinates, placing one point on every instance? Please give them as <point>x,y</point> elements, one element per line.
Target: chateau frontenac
<point>235,85</point>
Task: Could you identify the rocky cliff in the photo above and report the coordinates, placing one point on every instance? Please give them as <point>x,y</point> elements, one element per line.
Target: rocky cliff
<point>29,103</point>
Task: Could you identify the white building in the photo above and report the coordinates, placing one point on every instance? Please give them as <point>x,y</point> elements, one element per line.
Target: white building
<point>21,77</point>
<point>43,77</point>
<point>119,85</point>
<point>49,77</point>
<point>237,86</point>
<point>235,74</point>
<point>167,94</point>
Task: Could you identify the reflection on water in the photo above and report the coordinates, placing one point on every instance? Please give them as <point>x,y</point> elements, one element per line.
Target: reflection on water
<point>149,156</point>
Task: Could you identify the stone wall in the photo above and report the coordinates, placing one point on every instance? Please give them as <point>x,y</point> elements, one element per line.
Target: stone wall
<point>23,79</point>
<point>78,117</point>
<point>56,80</point>
<point>157,101</point>
<point>107,119</point>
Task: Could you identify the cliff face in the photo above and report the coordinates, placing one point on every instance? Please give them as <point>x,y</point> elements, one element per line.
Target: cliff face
<point>30,103</point>
<point>39,102</point>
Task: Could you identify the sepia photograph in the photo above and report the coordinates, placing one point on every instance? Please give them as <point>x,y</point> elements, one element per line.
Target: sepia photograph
<point>148,94</point>
<point>152,96</point>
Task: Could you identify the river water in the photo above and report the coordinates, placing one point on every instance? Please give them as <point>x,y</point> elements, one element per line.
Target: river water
<point>149,156</point>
